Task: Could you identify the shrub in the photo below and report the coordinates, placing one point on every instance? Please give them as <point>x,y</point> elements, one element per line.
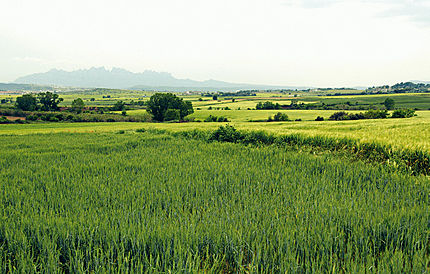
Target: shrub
<point>338,116</point>
<point>222,119</point>
<point>280,117</point>
<point>403,113</point>
<point>212,118</point>
<point>226,133</point>
<point>31,118</point>
<point>319,118</point>
<point>4,120</point>
<point>376,114</point>
<point>267,105</point>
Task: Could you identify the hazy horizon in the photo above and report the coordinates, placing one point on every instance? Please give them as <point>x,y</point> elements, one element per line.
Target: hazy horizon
<point>328,43</point>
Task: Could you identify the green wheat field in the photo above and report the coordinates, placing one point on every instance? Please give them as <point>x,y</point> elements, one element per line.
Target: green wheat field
<point>127,197</point>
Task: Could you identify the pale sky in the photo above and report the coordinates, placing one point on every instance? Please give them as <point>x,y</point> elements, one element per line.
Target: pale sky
<point>279,42</point>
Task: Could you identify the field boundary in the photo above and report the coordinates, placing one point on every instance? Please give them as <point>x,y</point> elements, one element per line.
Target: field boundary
<point>415,162</point>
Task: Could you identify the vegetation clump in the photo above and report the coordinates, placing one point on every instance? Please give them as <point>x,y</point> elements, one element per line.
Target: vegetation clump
<point>403,113</point>
<point>268,105</point>
<point>372,114</point>
<point>161,104</point>
<point>212,118</point>
<point>278,117</point>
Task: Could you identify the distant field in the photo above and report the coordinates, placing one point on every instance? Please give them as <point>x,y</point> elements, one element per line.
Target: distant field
<point>404,100</point>
<point>400,133</point>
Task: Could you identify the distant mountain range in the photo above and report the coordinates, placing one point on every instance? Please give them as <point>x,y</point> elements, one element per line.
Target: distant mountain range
<point>123,79</point>
<point>23,87</point>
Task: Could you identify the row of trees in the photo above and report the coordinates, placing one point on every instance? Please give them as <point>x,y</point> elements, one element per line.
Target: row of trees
<point>45,101</point>
<point>371,114</point>
<point>162,106</point>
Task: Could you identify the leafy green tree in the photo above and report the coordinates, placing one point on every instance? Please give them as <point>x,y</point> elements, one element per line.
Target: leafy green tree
<point>172,114</point>
<point>159,103</point>
<point>389,103</point>
<point>49,101</point>
<point>26,102</point>
<point>119,106</point>
<point>78,105</point>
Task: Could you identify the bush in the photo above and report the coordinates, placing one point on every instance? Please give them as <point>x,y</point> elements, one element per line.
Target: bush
<point>376,114</point>
<point>280,117</point>
<point>267,105</point>
<point>319,118</point>
<point>31,118</point>
<point>226,133</point>
<point>403,113</point>
<point>4,120</point>
<point>222,119</point>
<point>339,116</point>
<point>212,118</point>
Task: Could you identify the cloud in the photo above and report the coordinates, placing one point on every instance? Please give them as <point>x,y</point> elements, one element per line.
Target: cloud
<point>417,11</point>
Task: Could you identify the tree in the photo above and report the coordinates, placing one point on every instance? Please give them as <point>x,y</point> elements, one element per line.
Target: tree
<point>215,97</point>
<point>389,103</point>
<point>26,102</point>
<point>119,106</point>
<point>78,105</point>
<point>172,114</point>
<point>49,101</point>
<point>159,103</point>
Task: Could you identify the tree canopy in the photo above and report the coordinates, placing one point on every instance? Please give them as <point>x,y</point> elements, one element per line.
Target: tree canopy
<point>49,101</point>
<point>26,102</point>
<point>78,105</point>
<point>162,106</point>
